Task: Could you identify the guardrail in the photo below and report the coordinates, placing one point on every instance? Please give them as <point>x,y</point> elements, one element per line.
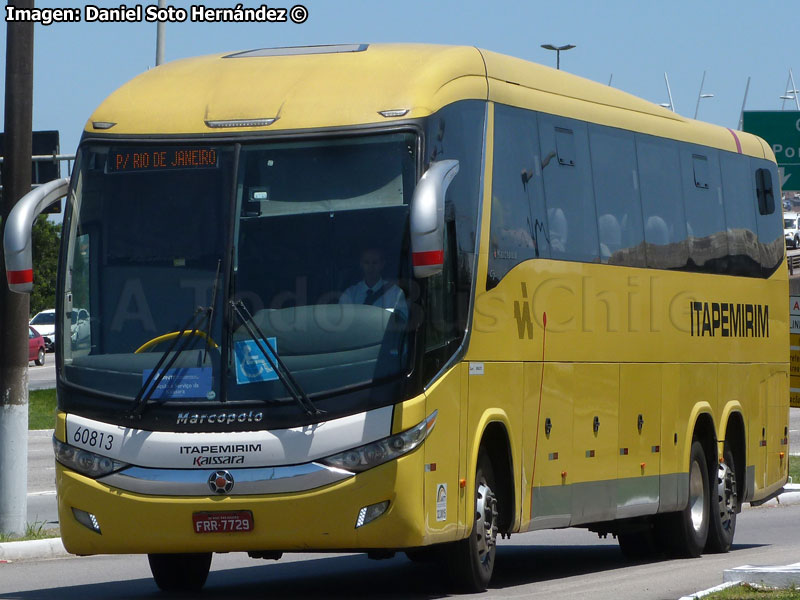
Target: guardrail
<point>794,263</point>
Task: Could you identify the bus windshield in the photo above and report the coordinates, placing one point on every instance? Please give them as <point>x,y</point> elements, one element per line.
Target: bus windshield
<point>311,237</point>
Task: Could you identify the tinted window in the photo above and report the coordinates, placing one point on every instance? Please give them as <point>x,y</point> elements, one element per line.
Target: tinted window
<point>518,227</point>
<point>740,215</point>
<point>765,192</point>
<point>662,202</point>
<point>619,220</point>
<point>456,131</point>
<point>770,233</point>
<point>571,216</point>
<point>705,218</point>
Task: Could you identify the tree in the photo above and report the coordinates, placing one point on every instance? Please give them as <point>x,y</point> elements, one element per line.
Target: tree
<point>46,241</point>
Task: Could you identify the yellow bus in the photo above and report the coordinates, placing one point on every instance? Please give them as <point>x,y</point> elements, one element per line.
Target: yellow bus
<point>409,298</point>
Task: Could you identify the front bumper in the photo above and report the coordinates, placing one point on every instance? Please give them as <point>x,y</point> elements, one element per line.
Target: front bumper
<point>319,519</point>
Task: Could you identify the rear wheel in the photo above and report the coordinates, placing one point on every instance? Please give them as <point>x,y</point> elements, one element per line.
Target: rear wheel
<point>724,504</point>
<point>180,572</point>
<point>40,357</point>
<point>685,533</point>
<point>471,560</point>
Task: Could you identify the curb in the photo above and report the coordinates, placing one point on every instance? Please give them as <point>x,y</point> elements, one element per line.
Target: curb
<point>33,549</point>
<point>790,495</point>
<point>717,588</point>
<point>781,576</point>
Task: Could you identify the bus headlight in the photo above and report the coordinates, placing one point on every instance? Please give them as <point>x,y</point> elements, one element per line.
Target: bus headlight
<point>85,462</point>
<point>374,454</point>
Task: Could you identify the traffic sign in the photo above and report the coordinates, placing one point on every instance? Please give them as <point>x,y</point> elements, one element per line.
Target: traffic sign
<point>794,351</point>
<point>781,130</point>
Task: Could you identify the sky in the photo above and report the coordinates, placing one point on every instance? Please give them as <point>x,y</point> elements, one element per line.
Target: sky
<point>631,43</point>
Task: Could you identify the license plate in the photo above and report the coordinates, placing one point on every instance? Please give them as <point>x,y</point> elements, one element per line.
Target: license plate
<point>240,521</point>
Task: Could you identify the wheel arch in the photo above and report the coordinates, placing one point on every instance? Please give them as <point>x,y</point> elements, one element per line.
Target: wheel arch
<point>705,432</point>
<point>495,439</point>
<point>734,435</point>
<point>700,425</point>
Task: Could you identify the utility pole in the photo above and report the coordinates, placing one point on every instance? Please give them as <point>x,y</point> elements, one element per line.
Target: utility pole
<point>14,307</point>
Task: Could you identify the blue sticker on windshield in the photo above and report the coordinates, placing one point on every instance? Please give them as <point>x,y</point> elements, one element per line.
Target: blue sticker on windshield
<point>194,382</point>
<point>251,364</point>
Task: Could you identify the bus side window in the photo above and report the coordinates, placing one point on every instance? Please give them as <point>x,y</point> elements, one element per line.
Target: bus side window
<point>440,323</point>
<point>518,228</point>
<point>705,216</point>
<point>740,216</point>
<point>662,202</point>
<point>766,197</point>
<point>572,217</point>
<point>769,221</point>
<point>616,191</point>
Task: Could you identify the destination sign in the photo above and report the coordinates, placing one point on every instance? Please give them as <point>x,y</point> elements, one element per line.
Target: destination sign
<point>127,160</point>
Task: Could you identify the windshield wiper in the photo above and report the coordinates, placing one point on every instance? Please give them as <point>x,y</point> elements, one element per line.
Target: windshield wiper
<point>284,374</point>
<point>157,374</point>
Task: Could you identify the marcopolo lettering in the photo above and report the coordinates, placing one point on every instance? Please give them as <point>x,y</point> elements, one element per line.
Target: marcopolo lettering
<point>729,319</point>
<point>220,418</point>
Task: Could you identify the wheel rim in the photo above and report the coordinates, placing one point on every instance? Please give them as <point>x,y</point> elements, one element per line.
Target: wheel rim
<point>697,497</point>
<point>41,355</point>
<point>485,522</point>
<point>726,493</point>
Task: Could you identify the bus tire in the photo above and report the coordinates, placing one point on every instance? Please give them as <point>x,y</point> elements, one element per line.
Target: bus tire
<point>470,561</point>
<point>686,531</point>
<point>724,504</point>
<point>180,572</point>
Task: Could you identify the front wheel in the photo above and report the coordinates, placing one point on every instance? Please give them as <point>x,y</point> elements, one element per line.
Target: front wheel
<point>180,572</point>
<point>724,504</point>
<point>471,560</point>
<point>40,358</point>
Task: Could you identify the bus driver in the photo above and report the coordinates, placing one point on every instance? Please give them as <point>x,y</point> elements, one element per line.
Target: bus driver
<point>373,288</point>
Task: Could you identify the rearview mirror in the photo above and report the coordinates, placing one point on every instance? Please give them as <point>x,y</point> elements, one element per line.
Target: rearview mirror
<point>17,235</point>
<point>427,218</point>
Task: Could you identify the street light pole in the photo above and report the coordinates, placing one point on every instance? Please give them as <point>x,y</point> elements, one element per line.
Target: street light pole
<point>670,106</point>
<point>558,50</point>
<point>744,101</point>
<point>701,95</point>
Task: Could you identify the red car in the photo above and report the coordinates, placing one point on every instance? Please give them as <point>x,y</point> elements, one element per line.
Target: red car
<point>35,346</point>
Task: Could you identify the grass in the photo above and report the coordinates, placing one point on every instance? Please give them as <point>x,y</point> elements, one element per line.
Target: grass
<point>33,531</point>
<point>794,468</point>
<point>42,409</point>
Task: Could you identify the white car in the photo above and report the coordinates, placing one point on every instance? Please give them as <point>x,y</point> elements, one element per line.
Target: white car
<point>791,231</point>
<point>45,323</point>
<point>80,328</point>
